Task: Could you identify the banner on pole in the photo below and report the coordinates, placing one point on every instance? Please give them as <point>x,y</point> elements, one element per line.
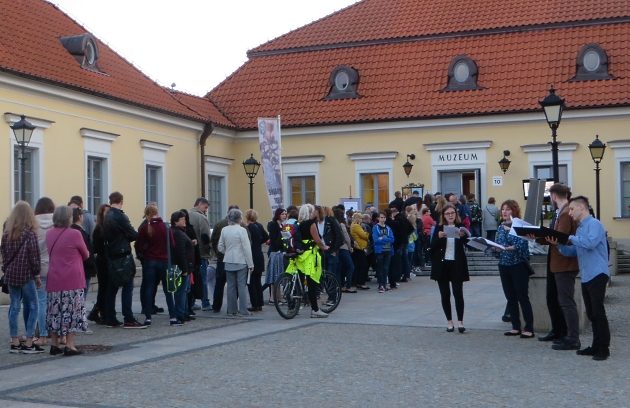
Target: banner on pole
<point>271,159</point>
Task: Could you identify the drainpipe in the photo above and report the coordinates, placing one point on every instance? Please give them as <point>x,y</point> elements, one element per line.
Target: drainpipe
<point>207,130</point>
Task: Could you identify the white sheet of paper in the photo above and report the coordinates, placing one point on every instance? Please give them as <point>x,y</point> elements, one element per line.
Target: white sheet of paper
<point>517,222</point>
<point>451,231</point>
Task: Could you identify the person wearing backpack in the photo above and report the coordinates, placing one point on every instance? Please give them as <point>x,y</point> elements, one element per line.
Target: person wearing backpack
<point>476,216</point>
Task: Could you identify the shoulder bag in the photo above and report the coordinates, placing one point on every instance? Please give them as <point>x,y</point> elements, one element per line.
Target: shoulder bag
<point>173,273</point>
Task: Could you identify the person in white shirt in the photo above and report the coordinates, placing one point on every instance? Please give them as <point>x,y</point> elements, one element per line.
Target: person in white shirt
<point>236,248</point>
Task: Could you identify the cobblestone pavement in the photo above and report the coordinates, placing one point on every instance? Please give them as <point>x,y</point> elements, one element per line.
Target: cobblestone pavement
<point>376,350</point>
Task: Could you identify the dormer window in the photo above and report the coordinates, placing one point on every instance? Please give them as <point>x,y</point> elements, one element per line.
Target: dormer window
<point>343,83</point>
<point>592,63</point>
<point>83,48</point>
<point>462,74</point>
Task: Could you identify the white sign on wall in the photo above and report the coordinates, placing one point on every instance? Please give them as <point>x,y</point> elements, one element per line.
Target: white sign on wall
<point>497,181</point>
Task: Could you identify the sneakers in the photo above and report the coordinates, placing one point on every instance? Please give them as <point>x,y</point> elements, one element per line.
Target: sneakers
<point>113,324</point>
<point>381,289</point>
<point>147,322</point>
<point>14,349</point>
<point>176,323</point>
<point>134,324</point>
<point>34,349</point>
<point>318,314</point>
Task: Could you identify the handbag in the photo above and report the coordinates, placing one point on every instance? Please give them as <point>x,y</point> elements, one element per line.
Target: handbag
<point>121,270</point>
<point>173,273</point>
<point>3,285</point>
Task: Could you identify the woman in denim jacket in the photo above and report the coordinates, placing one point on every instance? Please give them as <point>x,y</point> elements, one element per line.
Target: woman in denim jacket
<point>514,272</point>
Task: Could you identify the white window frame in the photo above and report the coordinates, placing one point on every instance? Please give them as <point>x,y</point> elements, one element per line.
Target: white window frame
<point>300,166</point>
<point>219,167</point>
<point>302,180</point>
<point>36,146</point>
<point>98,144</point>
<point>540,155</point>
<point>104,163</point>
<point>155,155</point>
<point>621,154</point>
<point>374,162</point>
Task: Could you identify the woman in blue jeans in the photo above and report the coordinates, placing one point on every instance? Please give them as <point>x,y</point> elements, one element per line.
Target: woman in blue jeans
<point>151,249</point>
<point>383,238</point>
<point>21,265</point>
<point>514,272</point>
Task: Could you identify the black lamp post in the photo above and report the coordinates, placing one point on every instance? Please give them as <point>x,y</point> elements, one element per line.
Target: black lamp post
<point>22,130</point>
<point>504,163</point>
<point>408,166</point>
<point>251,167</point>
<point>597,149</point>
<point>553,106</point>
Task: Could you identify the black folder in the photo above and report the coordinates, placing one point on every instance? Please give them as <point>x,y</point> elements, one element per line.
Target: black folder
<point>542,232</point>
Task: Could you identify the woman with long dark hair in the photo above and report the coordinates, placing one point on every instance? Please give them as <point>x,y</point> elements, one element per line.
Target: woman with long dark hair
<point>275,265</point>
<point>449,266</point>
<point>258,236</point>
<point>97,314</point>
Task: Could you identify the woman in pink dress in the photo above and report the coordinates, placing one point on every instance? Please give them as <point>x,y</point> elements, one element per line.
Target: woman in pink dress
<point>66,282</point>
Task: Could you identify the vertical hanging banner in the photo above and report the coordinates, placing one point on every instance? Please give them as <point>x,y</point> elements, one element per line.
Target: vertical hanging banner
<point>271,159</point>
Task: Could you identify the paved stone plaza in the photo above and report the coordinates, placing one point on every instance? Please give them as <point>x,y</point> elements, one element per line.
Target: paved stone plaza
<point>375,350</point>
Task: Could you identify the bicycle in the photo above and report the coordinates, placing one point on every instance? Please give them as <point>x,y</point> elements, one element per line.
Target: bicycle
<point>291,292</point>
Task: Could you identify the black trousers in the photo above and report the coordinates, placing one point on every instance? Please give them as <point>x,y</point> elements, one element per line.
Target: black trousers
<point>558,323</point>
<point>101,294</point>
<point>219,286</point>
<point>255,289</point>
<point>458,294</point>
<point>593,293</point>
<point>360,261</point>
<point>515,282</point>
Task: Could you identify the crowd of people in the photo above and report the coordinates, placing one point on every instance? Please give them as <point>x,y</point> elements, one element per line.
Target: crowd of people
<point>50,255</point>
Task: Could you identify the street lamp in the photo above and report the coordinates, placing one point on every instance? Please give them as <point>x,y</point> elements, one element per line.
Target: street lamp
<point>251,167</point>
<point>553,106</point>
<point>597,149</point>
<point>408,166</point>
<point>22,130</point>
<point>504,163</point>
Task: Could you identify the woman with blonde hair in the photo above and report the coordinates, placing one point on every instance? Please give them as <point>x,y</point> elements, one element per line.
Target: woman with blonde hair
<point>21,266</point>
<point>361,239</point>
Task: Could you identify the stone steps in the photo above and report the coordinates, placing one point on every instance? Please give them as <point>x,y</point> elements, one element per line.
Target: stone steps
<point>623,262</point>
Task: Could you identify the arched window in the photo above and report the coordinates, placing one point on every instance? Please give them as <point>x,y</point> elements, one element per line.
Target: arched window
<point>462,74</point>
<point>592,63</point>
<point>343,83</point>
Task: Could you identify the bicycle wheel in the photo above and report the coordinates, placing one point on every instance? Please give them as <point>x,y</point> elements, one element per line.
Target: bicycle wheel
<point>330,292</point>
<point>288,295</point>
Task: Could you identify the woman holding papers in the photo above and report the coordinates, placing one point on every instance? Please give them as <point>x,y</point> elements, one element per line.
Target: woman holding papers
<point>514,272</point>
<point>448,263</point>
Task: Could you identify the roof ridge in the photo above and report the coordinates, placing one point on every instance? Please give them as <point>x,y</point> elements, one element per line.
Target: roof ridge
<point>304,27</point>
<point>441,36</point>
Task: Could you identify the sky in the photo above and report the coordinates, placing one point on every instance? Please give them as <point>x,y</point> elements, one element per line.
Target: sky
<point>195,44</point>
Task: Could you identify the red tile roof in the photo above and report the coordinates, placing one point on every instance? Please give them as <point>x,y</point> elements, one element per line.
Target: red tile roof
<point>404,79</point>
<point>33,50</point>
<point>386,19</point>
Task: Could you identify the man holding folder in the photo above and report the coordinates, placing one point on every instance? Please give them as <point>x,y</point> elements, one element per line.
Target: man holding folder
<point>561,273</point>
